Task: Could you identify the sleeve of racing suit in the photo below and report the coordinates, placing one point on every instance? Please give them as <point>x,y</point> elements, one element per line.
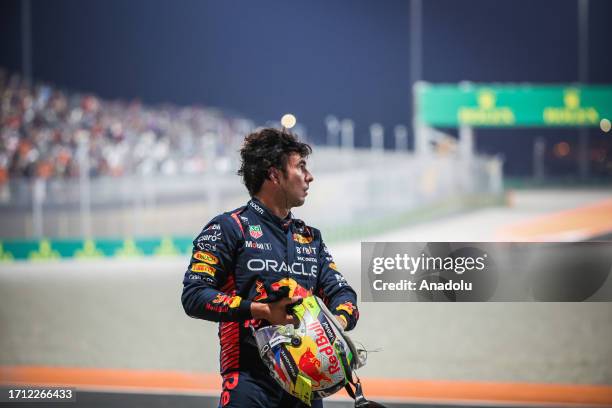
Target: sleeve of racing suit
<point>335,291</point>
<point>209,286</point>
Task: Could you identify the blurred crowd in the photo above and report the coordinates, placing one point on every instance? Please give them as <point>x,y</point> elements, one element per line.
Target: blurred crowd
<point>47,132</point>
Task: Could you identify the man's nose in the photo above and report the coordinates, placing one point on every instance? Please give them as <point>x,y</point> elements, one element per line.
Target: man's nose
<point>309,177</point>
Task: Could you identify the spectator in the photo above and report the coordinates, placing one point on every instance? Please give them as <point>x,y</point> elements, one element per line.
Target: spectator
<point>42,127</point>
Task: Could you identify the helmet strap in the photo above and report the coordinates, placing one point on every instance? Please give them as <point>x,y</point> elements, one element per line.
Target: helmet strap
<point>357,395</point>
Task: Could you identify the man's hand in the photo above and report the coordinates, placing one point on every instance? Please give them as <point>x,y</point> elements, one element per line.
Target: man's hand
<point>342,320</point>
<point>275,312</point>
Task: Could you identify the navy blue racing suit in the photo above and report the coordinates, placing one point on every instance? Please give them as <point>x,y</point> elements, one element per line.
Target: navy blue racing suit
<point>247,255</point>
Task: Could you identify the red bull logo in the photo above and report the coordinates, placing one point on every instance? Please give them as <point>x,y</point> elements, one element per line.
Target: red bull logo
<point>333,266</point>
<point>206,257</point>
<point>261,291</point>
<point>347,306</point>
<point>295,289</point>
<point>302,239</point>
<point>227,300</point>
<point>325,346</point>
<point>310,365</point>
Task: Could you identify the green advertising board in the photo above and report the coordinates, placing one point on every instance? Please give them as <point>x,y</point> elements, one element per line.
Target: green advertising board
<point>498,105</point>
<point>58,249</point>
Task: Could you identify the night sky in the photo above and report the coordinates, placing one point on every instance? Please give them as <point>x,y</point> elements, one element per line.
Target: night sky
<point>350,58</point>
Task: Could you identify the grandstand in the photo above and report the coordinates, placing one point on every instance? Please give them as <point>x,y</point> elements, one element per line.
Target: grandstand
<point>44,128</point>
<point>73,161</point>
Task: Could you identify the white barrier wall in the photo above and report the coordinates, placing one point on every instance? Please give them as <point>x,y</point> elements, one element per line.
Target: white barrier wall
<point>350,188</point>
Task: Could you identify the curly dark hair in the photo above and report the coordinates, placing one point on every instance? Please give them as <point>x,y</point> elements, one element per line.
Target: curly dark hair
<point>266,148</point>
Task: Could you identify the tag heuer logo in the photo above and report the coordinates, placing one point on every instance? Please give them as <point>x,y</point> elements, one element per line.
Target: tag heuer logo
<point>255,231</point>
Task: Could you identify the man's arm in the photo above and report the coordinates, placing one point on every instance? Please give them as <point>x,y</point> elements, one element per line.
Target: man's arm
<point>208,285</point>
<point>335,291</point>
<point>209,290</point>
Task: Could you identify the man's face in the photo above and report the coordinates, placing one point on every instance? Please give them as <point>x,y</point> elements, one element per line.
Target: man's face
<point>295,183</point>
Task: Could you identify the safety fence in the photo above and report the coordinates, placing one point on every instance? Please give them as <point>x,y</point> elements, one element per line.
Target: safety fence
<point>354,192</point>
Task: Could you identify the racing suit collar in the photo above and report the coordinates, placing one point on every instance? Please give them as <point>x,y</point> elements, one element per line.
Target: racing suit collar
<point>256,205</point>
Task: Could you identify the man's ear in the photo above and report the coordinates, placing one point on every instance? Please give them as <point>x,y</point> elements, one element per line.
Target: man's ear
<point>273,175</point>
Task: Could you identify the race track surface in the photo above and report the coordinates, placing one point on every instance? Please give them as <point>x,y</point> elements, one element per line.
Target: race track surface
<point>127,314</point>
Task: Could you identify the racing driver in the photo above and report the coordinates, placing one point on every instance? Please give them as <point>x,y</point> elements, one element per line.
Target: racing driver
<point>249,265</point>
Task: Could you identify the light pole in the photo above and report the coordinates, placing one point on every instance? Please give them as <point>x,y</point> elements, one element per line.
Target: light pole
<point>583,77</point>
<point>26,40</point>
<point>416,14</point>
